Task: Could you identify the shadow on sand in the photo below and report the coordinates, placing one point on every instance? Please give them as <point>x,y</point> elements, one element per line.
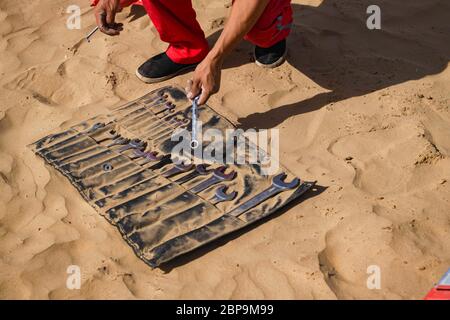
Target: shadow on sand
<point>337,51</point>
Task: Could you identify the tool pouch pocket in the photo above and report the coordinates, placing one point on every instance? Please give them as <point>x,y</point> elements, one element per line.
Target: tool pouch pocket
<point>123,165</point>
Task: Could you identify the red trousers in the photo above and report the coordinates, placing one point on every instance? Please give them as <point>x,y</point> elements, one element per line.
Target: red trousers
<point>176,23</point>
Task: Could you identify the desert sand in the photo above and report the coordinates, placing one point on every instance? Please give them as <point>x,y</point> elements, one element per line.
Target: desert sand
<point>363,112</point>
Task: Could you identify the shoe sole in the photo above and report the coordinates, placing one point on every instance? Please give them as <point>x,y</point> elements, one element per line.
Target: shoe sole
<point>272,65</point>
<point>160,79</point>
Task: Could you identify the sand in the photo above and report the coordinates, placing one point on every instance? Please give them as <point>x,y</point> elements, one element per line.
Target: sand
<point>365,113</point>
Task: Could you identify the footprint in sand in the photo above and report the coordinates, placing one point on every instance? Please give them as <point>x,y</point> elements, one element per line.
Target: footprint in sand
<point>390,161</point>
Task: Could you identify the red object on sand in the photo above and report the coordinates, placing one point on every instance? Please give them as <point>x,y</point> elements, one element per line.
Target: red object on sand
<point>442,290</point>
<point>177,25</point>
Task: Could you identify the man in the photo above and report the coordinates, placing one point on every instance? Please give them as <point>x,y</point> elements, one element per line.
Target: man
<point>265,23</point>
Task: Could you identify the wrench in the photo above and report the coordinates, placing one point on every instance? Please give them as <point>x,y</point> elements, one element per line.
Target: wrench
<point>163,125</point>
<point>166,107</point>
<point>175,124</point>
<point>278,185</point>
<point>200,170</point>
<point>148,156</point>
<point>140,105</point>
<point>95,127</point>
<point>177,169</point>
<point>119,141</point>
<point>135,116</point>
<point>65,142</point>
<point>222,195</point>
<point>162,121</point>
<point>164,132</point>
<point>111,135</point>
<point>165,160</point>
<point>149,119</point>
<point>133,144</point>
<point>154,102</point>
<point>218,175</point>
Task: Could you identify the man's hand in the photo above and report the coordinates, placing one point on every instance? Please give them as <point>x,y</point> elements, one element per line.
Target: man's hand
<point>105,16</point>
<point>206,79</point>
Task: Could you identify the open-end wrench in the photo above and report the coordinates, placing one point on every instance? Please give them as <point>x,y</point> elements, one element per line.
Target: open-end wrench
<point>161,122</point>
<point>221,195</point>
<point>77,136</point>
<point>119,141</point>
<point>111,135</point>
<point>153,102</point>
<point>168,123</point>
<point>218,176</point>
<point>175,124</point>
<point>134,144</point>
<point>148,156</point>
<point>200,170</point>
<point>90,151</point>
<point>149,119</point>
<point>167,135</point>
<point>278,185</point>
<point>140,105</point>
<point>166,107</point>
<point>95,127</point>
<point>165,160</point>
<point>177,169</point>
<point>141,115</point>
<point>165,131</point>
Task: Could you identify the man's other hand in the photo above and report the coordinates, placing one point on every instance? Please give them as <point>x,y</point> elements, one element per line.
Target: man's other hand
<point>105,16</point>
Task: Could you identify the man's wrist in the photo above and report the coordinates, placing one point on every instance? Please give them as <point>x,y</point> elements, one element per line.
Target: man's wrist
<point>215,56</point>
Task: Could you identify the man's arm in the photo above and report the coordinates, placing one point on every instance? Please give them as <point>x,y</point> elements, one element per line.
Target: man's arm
<point>206,79</point>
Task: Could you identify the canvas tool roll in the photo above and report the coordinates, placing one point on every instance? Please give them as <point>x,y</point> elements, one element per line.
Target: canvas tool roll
<point>121,164</point>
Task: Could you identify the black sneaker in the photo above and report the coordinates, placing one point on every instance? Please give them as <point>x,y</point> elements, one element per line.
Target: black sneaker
<point>271,57</point>
<point>160,68</point>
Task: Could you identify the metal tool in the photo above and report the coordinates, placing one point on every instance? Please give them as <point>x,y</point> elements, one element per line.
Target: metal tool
<point>194,140</point>
<point>119,141</point>
<point>111,135</point>
<point>278,185</point>
<point>164,124</point>
<point>70,140</point>
<point>177,169</point>
<point>162,138</point>
<point>167,106</point>
<point>90,34</point>
<point>149,102</point>
<point>218,176</point>
<point>148,156</point>
<point>89,152</point>
<point>200,170</point>
<point>165,160</point>
<point>136,144</point>
<point>133,117</point>
<point>127,109</point>
<point>169,124</point>
<point>221,195</point>
<point>143,109</point>
<point>149,235</point>
<point>95,127</point>
<point>165,131</point>
<point>143,119</point>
